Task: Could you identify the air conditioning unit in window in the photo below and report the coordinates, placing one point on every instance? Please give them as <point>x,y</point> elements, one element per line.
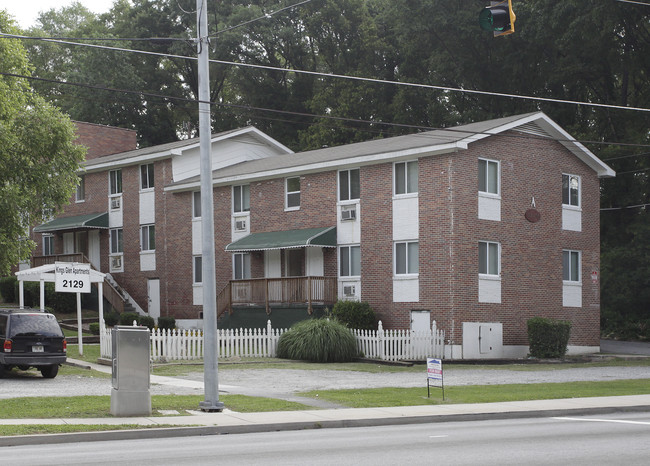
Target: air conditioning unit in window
<point>240,225</point>
<point>116,262</point>
<point>348,214</point>
<point>116,202</point>
<point>349,290</point>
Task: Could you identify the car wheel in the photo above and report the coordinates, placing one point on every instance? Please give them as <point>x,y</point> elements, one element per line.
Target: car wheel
<point>2,371</point>
<point>49,372</point>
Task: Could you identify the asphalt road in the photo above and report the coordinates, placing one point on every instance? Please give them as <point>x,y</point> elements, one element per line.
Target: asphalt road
<point>589,440</point>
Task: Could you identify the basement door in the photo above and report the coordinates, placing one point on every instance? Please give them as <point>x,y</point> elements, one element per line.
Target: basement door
<point>153,292</point>
<point>420,321</point>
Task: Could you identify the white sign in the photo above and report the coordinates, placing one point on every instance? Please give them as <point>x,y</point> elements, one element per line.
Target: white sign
<point>72,277</point>
<point>434,369</point>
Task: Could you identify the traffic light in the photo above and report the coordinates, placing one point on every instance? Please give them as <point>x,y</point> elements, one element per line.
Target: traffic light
<point>498,18</point>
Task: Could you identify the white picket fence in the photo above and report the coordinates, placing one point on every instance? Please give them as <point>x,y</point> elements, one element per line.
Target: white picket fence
<point>387,345</point>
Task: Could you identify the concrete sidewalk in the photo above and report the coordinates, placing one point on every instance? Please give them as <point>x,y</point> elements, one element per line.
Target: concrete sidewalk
<point>199,423</point>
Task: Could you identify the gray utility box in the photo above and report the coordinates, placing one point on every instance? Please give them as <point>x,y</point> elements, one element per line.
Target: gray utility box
<point>130,394</point>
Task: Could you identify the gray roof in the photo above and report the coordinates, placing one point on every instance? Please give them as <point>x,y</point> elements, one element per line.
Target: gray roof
<point>436,139</point>
<point>163,149</point>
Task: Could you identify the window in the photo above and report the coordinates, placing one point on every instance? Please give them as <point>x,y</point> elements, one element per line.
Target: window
<point>350,261</point>
<point>488,258</point>
<point>115,181</point>
<point>196,204</point>
<point>116,241</point>
<point>406,257</point>
<point>406,177</point>
<point>571,190</point>
<point>349,185</point>
<point>148,238</point>
<point>571,266</point>
<point>241,196</point>
<point>242,266</point>
<point>293,193</point>
<point>80,194</point>
<point>198,269</point>
<point>146,176</point>
<point>488,176</point>
<point>48,245</point>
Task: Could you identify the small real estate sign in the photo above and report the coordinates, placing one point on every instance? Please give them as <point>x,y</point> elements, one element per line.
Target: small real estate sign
<point>434,372</point>
<point>72,277</point>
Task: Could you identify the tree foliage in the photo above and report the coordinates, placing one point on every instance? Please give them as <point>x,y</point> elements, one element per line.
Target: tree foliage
<point>38,159</point>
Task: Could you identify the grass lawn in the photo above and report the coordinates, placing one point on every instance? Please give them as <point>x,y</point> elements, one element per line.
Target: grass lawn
<point>100,406</point>
<point>383,397</point>
<point>34,429</point>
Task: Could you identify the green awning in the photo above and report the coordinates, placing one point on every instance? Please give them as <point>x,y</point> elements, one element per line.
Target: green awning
<point>72,223</point>
<point>316,237</point>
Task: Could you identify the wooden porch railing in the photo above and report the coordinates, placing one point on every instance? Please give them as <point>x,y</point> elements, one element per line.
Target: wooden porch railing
<point>268,291</point>
<point>111,294</point>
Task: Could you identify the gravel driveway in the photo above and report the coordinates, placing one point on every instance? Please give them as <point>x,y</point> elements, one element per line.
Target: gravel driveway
<point>289,381</point>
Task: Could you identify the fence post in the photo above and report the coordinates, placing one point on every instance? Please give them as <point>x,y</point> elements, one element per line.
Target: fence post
<point>380,339</point>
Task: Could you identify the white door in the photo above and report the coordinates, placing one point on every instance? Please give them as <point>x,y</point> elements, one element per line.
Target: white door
<point>273,269</point>
<point>314,263</point>
<point>153,292</point>
<point>93,249</point>
<point>68,243</point>
<point>420,321</point>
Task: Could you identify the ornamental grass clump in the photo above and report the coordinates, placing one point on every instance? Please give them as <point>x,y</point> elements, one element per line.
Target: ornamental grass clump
<point>318,340</point>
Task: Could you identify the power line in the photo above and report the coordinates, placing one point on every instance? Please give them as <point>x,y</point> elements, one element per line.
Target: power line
<point>265,16</point>
<point>302,114</point>
<point>353,78</point>
<point>642,206</point>
<point>631,1</point>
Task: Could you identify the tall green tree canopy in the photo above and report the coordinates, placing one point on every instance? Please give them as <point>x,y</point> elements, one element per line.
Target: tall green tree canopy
<point>38,158</point>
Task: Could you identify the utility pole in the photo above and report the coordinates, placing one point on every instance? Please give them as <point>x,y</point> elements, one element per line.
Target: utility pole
<point>210,360</point>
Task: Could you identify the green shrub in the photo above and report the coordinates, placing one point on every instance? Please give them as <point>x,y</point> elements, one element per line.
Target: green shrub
<point>355,315</point>
<point>32,294</point>
<point>94,328</point>
<point>111,318</point>
<point>318,340</point>
<point>61,303</point>
<point>147,321</point>
<point>548,338</point>
<point>8,289</point>
<point>166,322</point>
<point>127,318</point>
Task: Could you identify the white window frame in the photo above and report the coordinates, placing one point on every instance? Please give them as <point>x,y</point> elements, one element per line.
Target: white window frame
<point>408,259</point>
<point>116,248</point>
<point>48,245</point>
<point>486,178</point>
<point>569,177</point>
<point>484,269</point>
<point>145,238</point>
<point>80,192</point>
<point>346,257</point>
<point>197,270</point>
<point>571,253</point>
<point>347,185</point>
<point>409,189</point>
<point>288,193</point>
<point>243,260</point>
<point>196,204</point>
<point>147,177</point>
<point>115,182</point>
<point>244,198</point>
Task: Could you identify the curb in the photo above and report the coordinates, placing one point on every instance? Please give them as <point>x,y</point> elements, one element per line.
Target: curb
<point>176,432</point>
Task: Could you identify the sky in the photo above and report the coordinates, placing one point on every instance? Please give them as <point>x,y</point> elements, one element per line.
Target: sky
<point>25,12</point>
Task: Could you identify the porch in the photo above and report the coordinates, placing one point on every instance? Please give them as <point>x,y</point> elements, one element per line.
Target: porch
<point>287,291</point>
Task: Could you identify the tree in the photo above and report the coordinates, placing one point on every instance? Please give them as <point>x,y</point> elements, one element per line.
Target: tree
<point>38,158</point>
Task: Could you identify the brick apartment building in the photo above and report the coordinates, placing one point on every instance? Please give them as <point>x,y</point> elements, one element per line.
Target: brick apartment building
<point>478,227</point>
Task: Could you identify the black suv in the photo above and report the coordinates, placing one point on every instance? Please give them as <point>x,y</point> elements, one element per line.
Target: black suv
<point>31,338</point>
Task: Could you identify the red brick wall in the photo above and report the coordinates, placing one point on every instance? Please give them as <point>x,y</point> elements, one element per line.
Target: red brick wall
<point>104,140</point>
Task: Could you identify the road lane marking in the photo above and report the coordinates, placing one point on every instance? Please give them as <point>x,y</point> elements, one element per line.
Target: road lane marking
<point>615,421</point>
<point>438,436</point>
